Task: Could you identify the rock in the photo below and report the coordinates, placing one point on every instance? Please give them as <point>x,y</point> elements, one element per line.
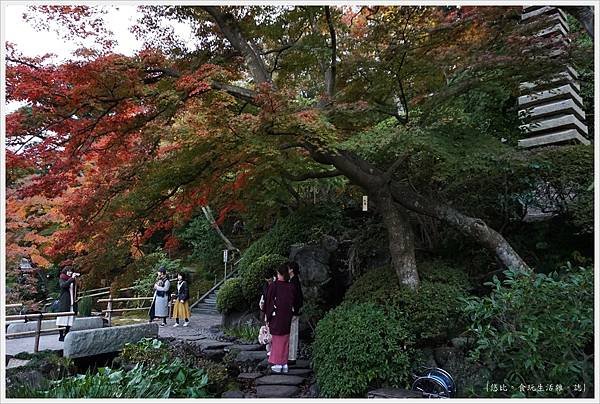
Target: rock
<point>104,340</point>
<point>244,377</point>
<point>209,344</point>
<point>238,319</point>
<point>16,363</point>
<point>250,358</point>
<point>245,347</point>
<point>444,354</point>
<point>329,243</point>
<point>276,391</point>
<point>232,394</point>
<point>282,379</point>
<point>299,372</point>
<point>429,358</point>
<point>313,261</point>
<point>80,323</point>
<point>313,391</point>
<point>393,393</point>
<point>214,354</point>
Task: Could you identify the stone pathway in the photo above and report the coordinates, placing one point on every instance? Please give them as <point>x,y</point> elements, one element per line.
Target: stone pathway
<point>202,326</point>
<point>267,384</point>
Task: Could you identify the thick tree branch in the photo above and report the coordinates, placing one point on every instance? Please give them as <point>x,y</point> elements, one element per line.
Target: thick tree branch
<point>232,31</point>
<point>242,93</point>
<point>312,175</point>
<point>211,219</point>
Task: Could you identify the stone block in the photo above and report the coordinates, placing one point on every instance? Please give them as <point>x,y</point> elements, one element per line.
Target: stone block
<point>80,323</point>
<point>277,391</point>
<point>104,340</point>
<point>283,379</point>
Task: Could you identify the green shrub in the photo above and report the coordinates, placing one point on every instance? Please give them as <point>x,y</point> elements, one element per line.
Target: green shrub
<point>534,328</point>
<point>433,312</point>
<point>84,307</point>
<point>304,225</point>
<point>359,346</point>
<point>172,378</point>
<point>230,297</point>
<point>148,351</point>
<point>148,266</point>
<point>253,276</point>
<point>245,333</point>
<point>207,246</point>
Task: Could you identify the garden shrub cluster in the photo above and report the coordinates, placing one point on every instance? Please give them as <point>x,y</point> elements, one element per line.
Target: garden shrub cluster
<point>253,276</point>
<point>536,328</point>
<point>304,225</point>
<point>433,312</point>
<point>229,296</point>
<point>358,346</point>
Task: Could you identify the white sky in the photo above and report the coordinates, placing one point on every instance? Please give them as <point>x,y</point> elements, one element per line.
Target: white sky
<point>119,19</point>
<point>34,43</point>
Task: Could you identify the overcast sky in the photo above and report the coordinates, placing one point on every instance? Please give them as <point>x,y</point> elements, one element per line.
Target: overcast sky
<point>33,43</point>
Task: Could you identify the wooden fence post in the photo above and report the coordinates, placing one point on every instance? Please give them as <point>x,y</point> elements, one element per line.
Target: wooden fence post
<point>38,329</point>
<point>109,308</point>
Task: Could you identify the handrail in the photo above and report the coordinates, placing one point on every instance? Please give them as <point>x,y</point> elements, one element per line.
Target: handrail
<point>125,299</point>
<point>230,275</point>
<point>38,329</point>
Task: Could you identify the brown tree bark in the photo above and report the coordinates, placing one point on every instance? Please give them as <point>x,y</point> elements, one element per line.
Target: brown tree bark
<point>401,239</point>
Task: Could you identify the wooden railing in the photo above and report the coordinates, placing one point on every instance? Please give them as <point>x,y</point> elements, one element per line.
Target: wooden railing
<point>38,317</point>
<point>110,310</point>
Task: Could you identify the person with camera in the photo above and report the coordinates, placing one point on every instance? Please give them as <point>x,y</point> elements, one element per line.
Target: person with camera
<point>160,301</point>
<point>67,300</point>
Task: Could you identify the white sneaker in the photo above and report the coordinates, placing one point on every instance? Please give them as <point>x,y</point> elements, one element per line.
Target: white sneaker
<point>186,323</point>
<point>285,369</point>
<point>276,368</point>
<point>175,325</point>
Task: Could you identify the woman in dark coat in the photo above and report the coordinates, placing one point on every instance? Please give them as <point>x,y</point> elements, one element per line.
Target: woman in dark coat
<point>67,300</point>
<point>281,296</point>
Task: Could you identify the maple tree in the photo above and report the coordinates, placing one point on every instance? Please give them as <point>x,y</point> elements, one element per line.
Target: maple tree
<point>136,145</point>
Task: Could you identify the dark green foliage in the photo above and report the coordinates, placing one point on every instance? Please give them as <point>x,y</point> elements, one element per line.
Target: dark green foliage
<point>84,307</point>
<point>306,224</point>
<point>148,351</point>
<point>536,328</point>
<point>230,297</point>
<point>253,276</point>
<point>358,346</point>
<point>245,333</point>
<point>206,245</point>
<point>432,312</point>
<point>169,379</point>
<point>147,268</point>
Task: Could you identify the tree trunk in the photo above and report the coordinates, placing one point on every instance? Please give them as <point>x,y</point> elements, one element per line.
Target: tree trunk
<point>209,216</point>
<point>401,239</point>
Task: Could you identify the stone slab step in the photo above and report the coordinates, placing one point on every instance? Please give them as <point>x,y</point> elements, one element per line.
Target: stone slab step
<point>280,380</point>
<point>211,344</point>
<point>245,347</point>
<point>244,377</point>
<point>299,372</point>
<point>277,391</point>
<point>232,394</point>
